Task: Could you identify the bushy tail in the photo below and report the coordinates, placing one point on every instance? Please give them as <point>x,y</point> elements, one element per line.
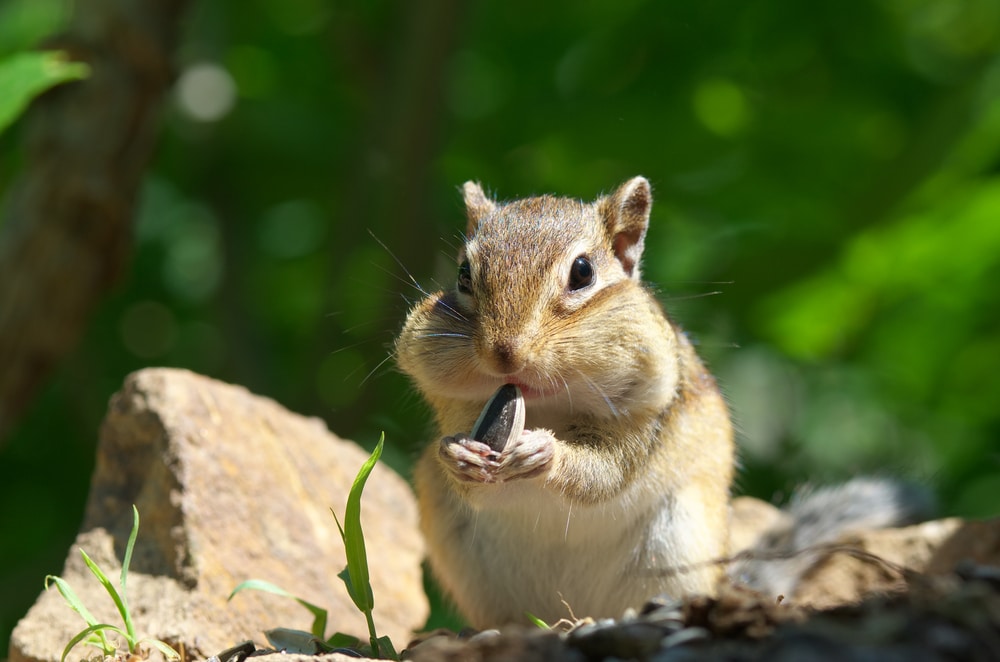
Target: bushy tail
<point>815,517</point>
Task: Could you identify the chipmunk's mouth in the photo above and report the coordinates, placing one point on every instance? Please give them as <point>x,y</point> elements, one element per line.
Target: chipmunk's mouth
<point>531,392</point>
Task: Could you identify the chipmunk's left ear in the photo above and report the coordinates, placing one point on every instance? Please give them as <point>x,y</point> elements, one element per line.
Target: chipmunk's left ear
<point>626,215</point>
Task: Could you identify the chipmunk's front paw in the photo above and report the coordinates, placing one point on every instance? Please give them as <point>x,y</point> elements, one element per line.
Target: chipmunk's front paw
<point>498,448</point>
<point>529,455</point>
<point>469,460</point>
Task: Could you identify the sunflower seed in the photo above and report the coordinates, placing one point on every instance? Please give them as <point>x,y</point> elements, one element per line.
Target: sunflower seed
<point>502,419</point>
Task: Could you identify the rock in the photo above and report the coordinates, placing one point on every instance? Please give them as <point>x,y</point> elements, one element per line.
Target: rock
<point>974,540</point>
<point>879,561</point>
<point>229,486</point>
<point>951,618</point>
<point>889,560</point>
<point>327,657</point>
<point>514,642</point>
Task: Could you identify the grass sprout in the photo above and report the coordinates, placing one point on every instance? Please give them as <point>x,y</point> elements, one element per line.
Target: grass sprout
<point>96,633</point>
<point>355,577</point>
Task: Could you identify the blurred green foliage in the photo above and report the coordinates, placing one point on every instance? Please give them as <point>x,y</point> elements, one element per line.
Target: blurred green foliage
<point>25,75</point>
<point>828,170</point>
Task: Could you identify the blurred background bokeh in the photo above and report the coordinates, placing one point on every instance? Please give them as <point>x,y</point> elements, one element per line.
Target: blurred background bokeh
<point>826,222</point>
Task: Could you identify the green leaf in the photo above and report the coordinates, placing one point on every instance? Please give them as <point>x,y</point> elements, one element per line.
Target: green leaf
<point>129,546</point>
<point>71,598</point>
<point>113,592</point>
<point>164,648</point>
<point>386,649</point>
<point>342,640</point>
<point>295,641</point>
<point>354,538</point>
<point>319,614</point>
<point>23,76</point>
<point>69,595</point>
<point>97,628</point>
<point>537,622</point>
<point>127,614</point>
<point>345,576</point>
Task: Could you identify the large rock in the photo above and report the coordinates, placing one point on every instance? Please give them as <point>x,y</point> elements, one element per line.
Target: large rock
<point>229,486</point>
<point>876,562</point>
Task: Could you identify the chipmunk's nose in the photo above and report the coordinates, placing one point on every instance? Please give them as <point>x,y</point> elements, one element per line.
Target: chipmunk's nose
<point>505,356</point>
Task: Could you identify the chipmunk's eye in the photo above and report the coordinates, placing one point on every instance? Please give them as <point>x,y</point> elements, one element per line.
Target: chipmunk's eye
<point>465,277</point>
<point>581,274</point>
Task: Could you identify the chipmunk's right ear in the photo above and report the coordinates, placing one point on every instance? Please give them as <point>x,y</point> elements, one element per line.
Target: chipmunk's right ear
<point>477,205</point>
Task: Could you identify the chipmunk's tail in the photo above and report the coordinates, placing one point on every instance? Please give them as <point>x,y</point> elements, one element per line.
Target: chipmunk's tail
<point>817,517</point>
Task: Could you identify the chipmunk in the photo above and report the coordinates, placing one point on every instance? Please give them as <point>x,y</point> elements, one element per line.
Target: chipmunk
<point>618,487</point>
<point>614,484</point>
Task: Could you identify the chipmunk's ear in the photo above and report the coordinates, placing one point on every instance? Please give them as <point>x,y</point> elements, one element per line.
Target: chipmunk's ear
<point>626,215</point>
<point>477,205</point>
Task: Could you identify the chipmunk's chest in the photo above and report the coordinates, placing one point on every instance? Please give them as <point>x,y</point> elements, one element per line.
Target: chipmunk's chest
<point>531,513</point>
<point>554,557</point>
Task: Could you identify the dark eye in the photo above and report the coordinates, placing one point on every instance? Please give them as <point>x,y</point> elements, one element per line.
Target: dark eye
<point>581,274</point>
<point>465,277</point>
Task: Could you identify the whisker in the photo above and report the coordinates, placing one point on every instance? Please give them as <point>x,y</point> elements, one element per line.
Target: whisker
<point>346,346</point>
<point>700,282</point>
<point>559,377</point>
<point>453,312</point>
<point>462,240</point>
<point>412,280</point>
<point>350,330</point>
<point>409,281</point>
<point>686,297</point>
<point>375,369</point>
<point>600,391</point>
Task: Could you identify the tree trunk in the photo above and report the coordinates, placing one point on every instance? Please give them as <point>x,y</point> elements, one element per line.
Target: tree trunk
<point>65,236</point>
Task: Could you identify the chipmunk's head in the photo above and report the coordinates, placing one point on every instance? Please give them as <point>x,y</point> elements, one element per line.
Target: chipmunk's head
<point>528,266</point>
<point>547,297</point>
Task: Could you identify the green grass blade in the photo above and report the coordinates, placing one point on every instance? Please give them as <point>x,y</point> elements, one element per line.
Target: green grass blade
<point>127,615</point>
<point>336,519</point>
<point>165,649</point>
<point>345,576</point>
<point>386,649</point>
<point>128,547</point>
<point>23,76</point>
<point>354,539</point>
<point>113,592</point>
<point>341,640</point>
<point>97,628</point>
<point>319,614</point>
<point>298,642</point>
<point>260,585</point>
<point>71,598</point>
<point>538,623</point>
